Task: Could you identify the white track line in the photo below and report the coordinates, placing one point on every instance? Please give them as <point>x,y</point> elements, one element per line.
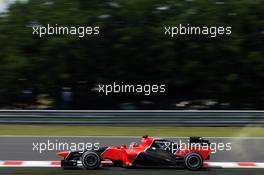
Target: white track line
<point>29,164</point>
<point>57,164</point>
<point>37,163</point>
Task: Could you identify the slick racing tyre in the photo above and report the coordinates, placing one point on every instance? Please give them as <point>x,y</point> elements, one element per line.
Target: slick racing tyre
<point>90,160</point>
<point>193,161</point>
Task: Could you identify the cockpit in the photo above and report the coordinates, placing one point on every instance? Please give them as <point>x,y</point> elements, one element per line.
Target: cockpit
<point>133,145</point>
<point>165,145</point>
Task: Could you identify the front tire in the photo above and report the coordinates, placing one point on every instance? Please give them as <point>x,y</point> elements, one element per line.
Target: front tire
<point>91,160</point>
<point>193,161</point>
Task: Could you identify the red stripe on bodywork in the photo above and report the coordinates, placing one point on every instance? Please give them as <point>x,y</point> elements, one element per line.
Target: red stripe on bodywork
<point>246,164</point>
<point>55,163</point>
<point>12,163</point>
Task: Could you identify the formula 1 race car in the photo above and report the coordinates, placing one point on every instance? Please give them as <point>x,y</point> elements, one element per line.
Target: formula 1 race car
<point>150,153</point>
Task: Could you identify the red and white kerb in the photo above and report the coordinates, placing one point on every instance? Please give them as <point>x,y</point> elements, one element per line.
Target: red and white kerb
<point>57,164</point>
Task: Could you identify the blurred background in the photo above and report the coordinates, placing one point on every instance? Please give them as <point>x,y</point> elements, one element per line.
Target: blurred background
<point>200,72</point>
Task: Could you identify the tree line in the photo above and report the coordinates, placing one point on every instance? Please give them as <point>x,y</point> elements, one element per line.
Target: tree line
<point>132,48</point>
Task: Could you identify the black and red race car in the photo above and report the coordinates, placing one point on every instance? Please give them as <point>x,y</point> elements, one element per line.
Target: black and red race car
<point>150,153</point>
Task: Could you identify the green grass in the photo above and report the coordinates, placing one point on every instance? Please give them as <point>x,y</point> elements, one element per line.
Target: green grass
<point>131,131</point>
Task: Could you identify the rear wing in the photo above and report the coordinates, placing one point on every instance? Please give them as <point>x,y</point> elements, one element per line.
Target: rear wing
<point>204,148</point>
<point>199,140</point>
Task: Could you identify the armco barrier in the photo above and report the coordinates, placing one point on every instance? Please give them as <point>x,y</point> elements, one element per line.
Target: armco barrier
<point>132,118</point>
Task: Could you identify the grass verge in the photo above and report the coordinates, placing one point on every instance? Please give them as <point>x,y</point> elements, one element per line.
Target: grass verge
<point>131,131</point>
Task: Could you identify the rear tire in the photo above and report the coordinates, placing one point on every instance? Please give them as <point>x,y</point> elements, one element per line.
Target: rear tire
<point>193,161</point>
<point>90,160</point>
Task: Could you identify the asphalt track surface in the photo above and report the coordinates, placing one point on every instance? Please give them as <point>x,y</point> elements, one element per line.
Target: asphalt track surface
<point>121,171</point>
<point>21,148</point>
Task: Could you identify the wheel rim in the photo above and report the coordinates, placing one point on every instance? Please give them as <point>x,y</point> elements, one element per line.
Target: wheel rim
<point>194,161</point>
<point>91,160</point>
